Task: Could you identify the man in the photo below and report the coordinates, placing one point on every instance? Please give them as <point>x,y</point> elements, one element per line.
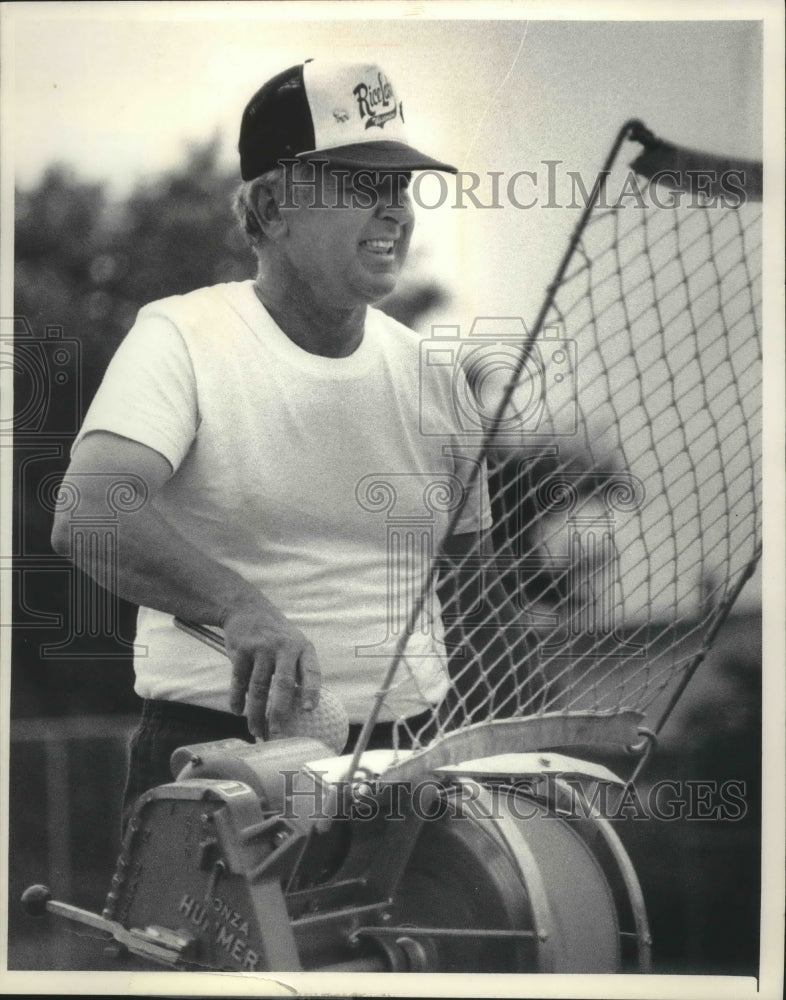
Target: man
<point>248,416</point>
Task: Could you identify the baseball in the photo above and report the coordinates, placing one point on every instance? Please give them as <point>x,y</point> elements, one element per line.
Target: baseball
<point>328,722</point>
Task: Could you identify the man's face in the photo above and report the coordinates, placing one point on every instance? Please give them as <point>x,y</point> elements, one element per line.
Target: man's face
<point>347,233</point>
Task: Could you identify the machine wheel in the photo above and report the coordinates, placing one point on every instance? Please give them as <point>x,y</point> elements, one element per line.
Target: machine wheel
<point>498,861</point>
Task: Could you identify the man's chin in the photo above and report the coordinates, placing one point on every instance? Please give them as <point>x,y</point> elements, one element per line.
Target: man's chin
<point>380,290</point>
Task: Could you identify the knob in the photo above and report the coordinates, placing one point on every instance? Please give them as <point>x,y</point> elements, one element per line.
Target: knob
<point>34,900</point>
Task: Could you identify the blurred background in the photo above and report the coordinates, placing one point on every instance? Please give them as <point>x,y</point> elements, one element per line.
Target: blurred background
<point>121,139</point>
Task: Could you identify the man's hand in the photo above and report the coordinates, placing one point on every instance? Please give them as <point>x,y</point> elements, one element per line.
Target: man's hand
<point>270,659</point>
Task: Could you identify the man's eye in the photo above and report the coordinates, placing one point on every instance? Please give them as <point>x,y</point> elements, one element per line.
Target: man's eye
<point>364,186</point>
<point>354,182</point>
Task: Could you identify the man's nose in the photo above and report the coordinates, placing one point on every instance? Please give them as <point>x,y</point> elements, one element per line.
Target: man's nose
<point>394,202</point>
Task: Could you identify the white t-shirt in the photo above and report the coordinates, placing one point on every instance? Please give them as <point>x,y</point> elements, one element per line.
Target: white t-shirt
<point>326,482</point>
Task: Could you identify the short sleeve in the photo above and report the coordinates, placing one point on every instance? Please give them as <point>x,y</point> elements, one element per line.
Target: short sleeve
<point>148,393</point>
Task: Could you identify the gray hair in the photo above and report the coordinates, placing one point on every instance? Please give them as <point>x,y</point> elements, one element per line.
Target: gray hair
<point>244,203</point>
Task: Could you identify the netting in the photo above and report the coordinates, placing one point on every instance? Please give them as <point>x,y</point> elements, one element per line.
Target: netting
<point>623,459</point>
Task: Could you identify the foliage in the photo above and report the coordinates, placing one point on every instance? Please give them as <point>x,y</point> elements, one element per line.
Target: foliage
<point>88,264</point>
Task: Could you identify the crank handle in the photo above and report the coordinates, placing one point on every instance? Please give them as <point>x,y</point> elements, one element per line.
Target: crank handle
<point>203,633</point>
<point>159,944</point>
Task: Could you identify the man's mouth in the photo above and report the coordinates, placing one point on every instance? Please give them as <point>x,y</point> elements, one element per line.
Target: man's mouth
<point>382,247</point>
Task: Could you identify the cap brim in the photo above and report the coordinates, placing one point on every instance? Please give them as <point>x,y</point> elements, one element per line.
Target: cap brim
<point>379,155</point>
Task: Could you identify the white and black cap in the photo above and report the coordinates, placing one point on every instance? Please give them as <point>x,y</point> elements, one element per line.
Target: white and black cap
<point>345,113</point>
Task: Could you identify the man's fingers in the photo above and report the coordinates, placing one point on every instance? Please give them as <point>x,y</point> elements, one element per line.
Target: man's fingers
<point>309,676</point>
<point>266,683</point>
<point>258,699</point>
<point>242,667</point>
<point>282,695</point>
<point>259,694</point>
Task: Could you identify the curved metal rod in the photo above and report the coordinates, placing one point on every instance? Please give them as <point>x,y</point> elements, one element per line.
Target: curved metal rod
<point>628,875</point>
<point>531,876</point>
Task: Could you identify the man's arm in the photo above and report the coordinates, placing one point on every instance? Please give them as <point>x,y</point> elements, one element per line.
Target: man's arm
<point>161,569</point>
<point>498,674</point>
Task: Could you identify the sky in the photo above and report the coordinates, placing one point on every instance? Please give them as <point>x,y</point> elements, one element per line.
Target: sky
<point>118,90</point>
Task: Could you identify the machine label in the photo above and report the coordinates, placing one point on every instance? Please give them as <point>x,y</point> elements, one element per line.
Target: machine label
<point>227,926</point>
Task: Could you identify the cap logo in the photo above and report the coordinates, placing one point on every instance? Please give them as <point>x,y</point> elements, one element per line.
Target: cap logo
<point>349,111</point>
<point>374,102</point>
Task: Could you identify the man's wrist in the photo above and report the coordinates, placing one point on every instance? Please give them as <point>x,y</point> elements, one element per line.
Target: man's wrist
<point>244,600</point>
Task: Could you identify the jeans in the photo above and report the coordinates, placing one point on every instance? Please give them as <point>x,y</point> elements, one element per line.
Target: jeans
<point>163,727</point>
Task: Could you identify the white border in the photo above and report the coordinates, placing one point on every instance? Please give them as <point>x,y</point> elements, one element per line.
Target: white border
<point>713,988</point>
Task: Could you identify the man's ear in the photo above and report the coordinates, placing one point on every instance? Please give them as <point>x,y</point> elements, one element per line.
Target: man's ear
<point>266,206</point>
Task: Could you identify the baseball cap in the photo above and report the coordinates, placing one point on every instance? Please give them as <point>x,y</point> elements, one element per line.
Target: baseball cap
<point>346,113</point>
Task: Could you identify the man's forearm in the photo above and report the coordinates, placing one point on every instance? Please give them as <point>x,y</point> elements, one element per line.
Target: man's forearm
<point>154,565</point>
<point>159,568</point>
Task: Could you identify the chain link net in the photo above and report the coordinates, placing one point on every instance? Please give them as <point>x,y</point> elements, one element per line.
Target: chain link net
<point>624,472</point>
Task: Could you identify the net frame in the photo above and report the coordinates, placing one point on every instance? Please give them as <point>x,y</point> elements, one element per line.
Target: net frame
<point>694,279</point>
